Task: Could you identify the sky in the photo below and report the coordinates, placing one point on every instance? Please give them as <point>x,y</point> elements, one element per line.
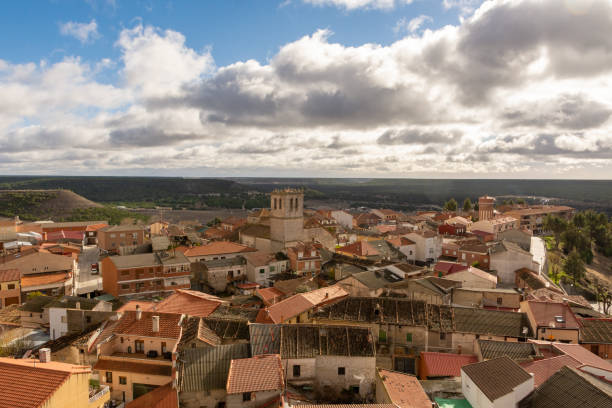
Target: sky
<point>307,88</point>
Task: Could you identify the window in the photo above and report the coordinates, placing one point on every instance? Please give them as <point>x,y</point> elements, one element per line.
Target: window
<point>463,256</point>
<point>442,336</point>
<point>113,235</point>
<point>121,340</point>
<point>139,346</point>
<point>163,347</point>
<point>262,270</point>
<point>11,286</point>
<point>382,336</point>
<point>296,370</point>
<point>341,370</point>
<point>499,301</point>
<point>122,235</point>
<point>125,273</point>
<point>272,269</point>
<point>88,319</point>
<point>122,380</point>
<point>409,337</point>
<point>109,377</point>
<point>125,286</point>
<point>355,389</point>
<point>246,396</point>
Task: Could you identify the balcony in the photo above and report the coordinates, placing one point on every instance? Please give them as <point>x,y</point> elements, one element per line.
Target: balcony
<point>97,393</point>
<point>143,356</point>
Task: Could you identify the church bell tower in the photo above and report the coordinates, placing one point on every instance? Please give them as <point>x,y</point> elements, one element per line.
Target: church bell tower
<point>286,218</point>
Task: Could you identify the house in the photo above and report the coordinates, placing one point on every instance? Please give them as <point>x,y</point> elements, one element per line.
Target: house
<point>366,220</point>
<point>386,214</point>
<point>31,383</point>
<point>33,313</point>
<point>231,224</point>
<point>189,302</point>
<point>400,389</point>
<point>434,365</point>
<point>452,229</point>
<point>343,218</point>
<point>295,308</point>
<point>270,296</point>
<point>552,321</point>
<point>261,267</point>
<point>304,259</point>
<point>255,381</point>
<point>213,332</point>
<point>203,373</point>
<point>499,382</point>
<point>161,397</point>
<point>532,219</point>
<point>496,225</point>
<point>221,274</point>
<point>429,289</point>
<point>517,351</point>
<point>473,278</point>
<point>137,356</point>
<point>488,298</point>
<point>216,250</point>
<point>369,283</point>
<point>159,228</point>
<point>290,287</point>
<point>596,336</point>
<point>428,245</point>
<point>44,272</point>
<point>330,359</point>
<point>590,362</point>
<point>506,257</point>
<point>360,250</point>
<point>73,314</point>
<point>10,287</point>
<point>474,254</point>
<point>120,239</point>
<point>570,387</point>
<point>443,268</point>
<point>147,274</point>
<point>405,246</point>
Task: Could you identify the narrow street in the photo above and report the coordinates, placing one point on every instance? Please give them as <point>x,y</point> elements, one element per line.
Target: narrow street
<point>86,281</point>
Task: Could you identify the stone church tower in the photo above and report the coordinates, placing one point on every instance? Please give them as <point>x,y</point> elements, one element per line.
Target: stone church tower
<point>286,218</point>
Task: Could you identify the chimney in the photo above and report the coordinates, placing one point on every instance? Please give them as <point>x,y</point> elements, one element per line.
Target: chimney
<point>155,324</point>
<point>44,355</point>
<point>138,312</point>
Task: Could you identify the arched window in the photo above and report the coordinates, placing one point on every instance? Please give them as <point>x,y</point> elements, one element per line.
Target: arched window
<point>280,203</point>
<point>275,203</point>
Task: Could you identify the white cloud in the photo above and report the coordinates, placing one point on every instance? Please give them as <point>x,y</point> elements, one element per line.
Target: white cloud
<point>84,32</point>
<point>404,25</point>
<point>357,4</point>
<point>529,101</point>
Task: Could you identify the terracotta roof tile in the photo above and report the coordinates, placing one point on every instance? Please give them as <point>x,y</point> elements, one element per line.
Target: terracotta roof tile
<point>359,248</point>
<point>596,331</point>
<point>126,366</point>
<point>260,373</point>
<point>446,364</point>
<point>168,325</point>
<point>9,275</point>
<point>577,352</point>
<point>449,267</point>
<point>545,313</point>
<point>404,390</point>
<point>496,377</point>
<point>144,305</point>
<point>190,302</point>
<point>269,295</point>
<point>29,383</point>
<point>44,279</point>
<point>161,397</point>
<point>542,370</point>
<point>218,248</point>
<point>38,262</point>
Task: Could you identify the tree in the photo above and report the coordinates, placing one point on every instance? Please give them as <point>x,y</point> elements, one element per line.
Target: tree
<point>451,205</point>
<point>603,295</point>
<point>555,225</point>
<point>521,201</point>
<point>467,205</point>
<point>554,261</point>
<point>574,239</point>
<point>574,266</point>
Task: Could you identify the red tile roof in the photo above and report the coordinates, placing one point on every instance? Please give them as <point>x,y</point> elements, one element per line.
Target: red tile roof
<point>28,383</point>
<point>404,390</point>
<point>168,325</point>
<point>218,248</point>
<point>300,303</point>
<point>190,302</point>
<point>144,305</point>
<point>9,275</point>
<point>449,267</point>
<point>445,364</point>
<point>260,373</point>
<point>55,235</point>
<point>577,352</point>
<point>544,314</point>
<point>126,366</point>
<point>543,369</point>
<point>359,248</point>
<point>95,227</point>
<point>269,295</point>
<point>161,397</point>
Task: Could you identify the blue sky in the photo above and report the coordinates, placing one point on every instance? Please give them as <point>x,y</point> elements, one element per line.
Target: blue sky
<point>235,30</point>
<point>325,88</point>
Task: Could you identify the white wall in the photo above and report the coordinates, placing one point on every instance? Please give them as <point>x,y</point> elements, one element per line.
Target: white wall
<point>507,262</point>
<point>56,327</point>
<point>477,398</point>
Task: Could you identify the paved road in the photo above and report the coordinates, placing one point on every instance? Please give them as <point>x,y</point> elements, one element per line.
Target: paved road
<point>538,250</point>
<point>88,282</point>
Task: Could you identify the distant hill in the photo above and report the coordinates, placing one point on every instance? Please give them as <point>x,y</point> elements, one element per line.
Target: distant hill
<point>41,204</point>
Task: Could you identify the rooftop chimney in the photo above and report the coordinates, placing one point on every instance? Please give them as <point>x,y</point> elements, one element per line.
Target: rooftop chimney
<point>138,312</point>
<point>155,324</point>
<point>44,355</point>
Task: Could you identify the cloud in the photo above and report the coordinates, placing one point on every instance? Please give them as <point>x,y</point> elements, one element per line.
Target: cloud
<point>84,32</point>
<point>404,25</point>
<point>418,136</point>
<point>358,4</point>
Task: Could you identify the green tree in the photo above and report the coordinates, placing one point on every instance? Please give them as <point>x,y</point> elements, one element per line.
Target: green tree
<point>467,205</point>
<point>554,262</point>
<point>521,201</point>
<point>574,239</point>
<point>574,266</point>
<point>555,225</point>
<point>451,205</point>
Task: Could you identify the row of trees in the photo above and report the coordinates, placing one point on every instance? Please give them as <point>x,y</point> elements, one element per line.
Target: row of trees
<point>452,205</point>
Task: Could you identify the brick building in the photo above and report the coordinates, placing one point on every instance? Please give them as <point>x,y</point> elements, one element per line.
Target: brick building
<point>304,258</point>
<point>10,287</point>
<point>120,239</point>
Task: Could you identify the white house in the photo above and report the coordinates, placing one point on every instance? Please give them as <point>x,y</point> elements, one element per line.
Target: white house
<point>428,245</point>
<point>495,225</point>
<point>507,257</point>
<point>261,267</point>
<point>496,383</point>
